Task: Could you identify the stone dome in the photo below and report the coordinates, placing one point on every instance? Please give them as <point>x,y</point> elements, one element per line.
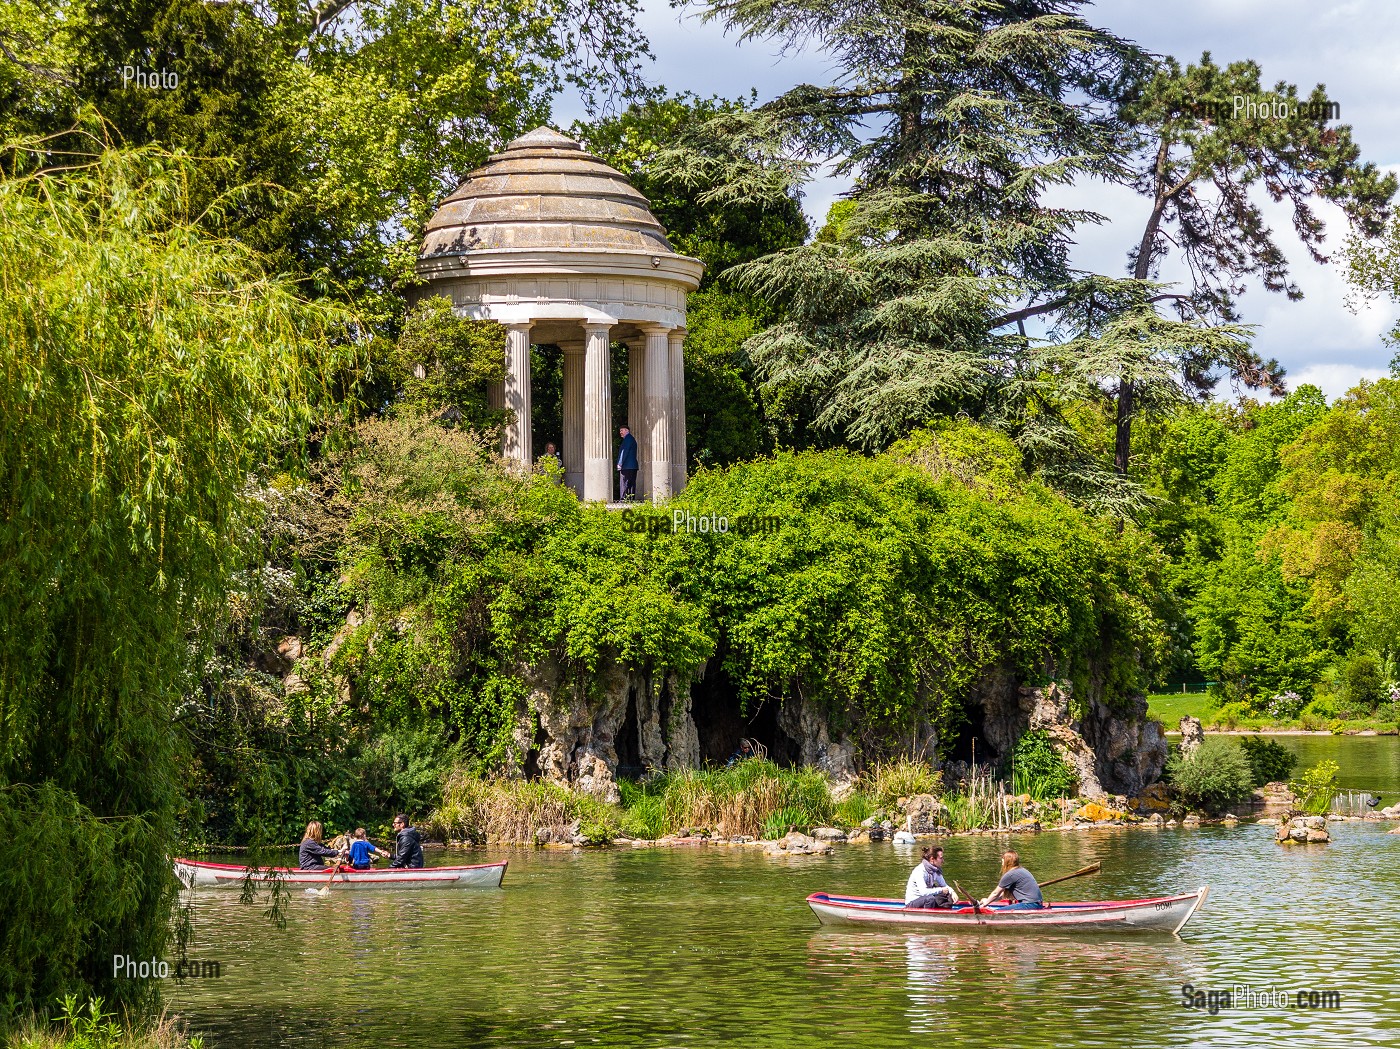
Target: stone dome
<point>544,192</point>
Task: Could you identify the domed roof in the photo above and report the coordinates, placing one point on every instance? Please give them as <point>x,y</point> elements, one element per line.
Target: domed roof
<point>544,192</point>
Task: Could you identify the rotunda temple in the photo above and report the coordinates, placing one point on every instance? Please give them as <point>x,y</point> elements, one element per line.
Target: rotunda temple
<point>560,249</point>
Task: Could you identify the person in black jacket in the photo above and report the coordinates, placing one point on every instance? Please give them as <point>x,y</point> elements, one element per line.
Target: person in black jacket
<point>314,852</point>
<point>408,848</point>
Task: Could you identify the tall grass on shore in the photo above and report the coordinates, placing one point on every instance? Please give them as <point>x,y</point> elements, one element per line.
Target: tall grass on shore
<point>90,1026</point>
<point>753,798</point>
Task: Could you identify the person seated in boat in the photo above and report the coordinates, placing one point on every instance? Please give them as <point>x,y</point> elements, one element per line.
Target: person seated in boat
<point>362,851</point>
<point>408,845</point>
<point>926,887</point>
<point>1017,885</point>
<point>313,851</point>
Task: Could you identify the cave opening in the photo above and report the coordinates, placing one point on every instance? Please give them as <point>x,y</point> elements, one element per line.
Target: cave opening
<point>720,724</point>
<point>531,766</point>
<point>971,739</point>
<point>629,740</point>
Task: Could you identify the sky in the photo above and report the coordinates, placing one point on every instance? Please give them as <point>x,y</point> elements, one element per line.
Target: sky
<point>1347,45</point>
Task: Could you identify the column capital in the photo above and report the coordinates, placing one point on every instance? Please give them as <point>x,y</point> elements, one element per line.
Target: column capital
<point>650,328</point>
<point>592,328</point>
<point>524,326</point>
<point>679,332</point>
<point>573,345</point>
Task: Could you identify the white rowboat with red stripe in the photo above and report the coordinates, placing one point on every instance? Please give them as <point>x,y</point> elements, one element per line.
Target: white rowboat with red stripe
<point>195,874</point>
<point>1162,913</point>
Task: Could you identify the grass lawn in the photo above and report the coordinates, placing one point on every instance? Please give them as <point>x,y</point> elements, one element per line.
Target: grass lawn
<point>1170,707</point>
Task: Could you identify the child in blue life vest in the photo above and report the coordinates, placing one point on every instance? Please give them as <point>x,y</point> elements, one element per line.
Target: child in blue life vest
<point>361,851</point>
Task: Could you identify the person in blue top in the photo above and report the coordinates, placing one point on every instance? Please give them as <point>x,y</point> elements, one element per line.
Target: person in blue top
<point>362,851</point>
<point>627,465</point>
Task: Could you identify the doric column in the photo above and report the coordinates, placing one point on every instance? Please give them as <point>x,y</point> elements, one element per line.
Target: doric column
<point>496,395</point>
<point>679,461</point>
<point>597,416</point>
<point>517,443</point>
<point>637,411</point>
<point>658,409</point>
<point>574,352</point>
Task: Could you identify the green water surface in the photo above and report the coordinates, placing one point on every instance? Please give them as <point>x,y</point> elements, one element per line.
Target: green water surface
<point>716,947</point>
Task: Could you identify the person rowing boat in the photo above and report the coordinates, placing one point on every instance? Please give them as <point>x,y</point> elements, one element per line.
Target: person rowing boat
<point>313,851</point>
<point>1016,884</point>
<point>926,887</point>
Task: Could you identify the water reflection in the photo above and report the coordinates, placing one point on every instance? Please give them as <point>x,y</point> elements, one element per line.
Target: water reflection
<point>717,948</point>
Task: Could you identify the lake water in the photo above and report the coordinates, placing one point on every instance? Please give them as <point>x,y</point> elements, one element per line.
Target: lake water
<point>716,947</point>
<point>1368,762</point>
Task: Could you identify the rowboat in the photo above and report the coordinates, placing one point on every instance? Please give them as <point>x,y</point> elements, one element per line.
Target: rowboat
<point>195,874</point>
<point>1163,913</point>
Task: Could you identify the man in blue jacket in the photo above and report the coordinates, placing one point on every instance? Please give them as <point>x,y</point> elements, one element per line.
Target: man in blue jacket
<point>627,464</point>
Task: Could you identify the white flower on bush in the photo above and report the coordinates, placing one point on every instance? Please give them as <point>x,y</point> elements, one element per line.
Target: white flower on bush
<point>1285,705</point>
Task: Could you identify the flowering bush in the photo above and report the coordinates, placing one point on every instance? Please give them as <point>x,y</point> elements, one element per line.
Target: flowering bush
<point>1285,706</point>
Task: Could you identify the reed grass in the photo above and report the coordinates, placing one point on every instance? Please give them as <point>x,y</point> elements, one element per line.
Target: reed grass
<point>888,781</point>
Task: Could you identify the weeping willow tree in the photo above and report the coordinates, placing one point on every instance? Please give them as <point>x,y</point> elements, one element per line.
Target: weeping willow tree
<point>146,368</point>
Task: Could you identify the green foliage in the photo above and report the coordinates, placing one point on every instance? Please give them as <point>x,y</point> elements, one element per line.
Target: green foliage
<point>148,368</point>
<point>884,593</point>
<point>350,119</point>
<point>446,364</point>
<point>1363,686</point>
<point>1038,769</point>
<point>91,1026</point>
<point>1214,776</point>
<point>1269,760</point>
<point>1316,787</point>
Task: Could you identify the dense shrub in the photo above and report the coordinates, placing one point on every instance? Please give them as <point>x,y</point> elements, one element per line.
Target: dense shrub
<point>1214,776</point>
<point>1038,769</point>
<point>1269,760</point>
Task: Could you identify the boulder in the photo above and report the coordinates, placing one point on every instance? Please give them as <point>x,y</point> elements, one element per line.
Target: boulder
<point>795,843</point>
<point>828,834</point>
<point>1191,820</point>
<point>1303,830</point>
<point>1192,734</point>
<point>1154,820</point>
<point>1093,812</point>
<point>1155,798</point>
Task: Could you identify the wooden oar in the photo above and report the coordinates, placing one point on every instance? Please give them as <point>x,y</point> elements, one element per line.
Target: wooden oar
<point>1093,868</point>
<point>972,898</point>
<point>326,889</point>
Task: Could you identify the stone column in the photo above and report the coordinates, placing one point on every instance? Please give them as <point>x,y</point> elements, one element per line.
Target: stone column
<point>517,388</point>
<point>658,409</point>
<point>679,462</point>
<point>637,411</point>
<point>572,452</point>
<point>496,395</point>
<point>597,416</point>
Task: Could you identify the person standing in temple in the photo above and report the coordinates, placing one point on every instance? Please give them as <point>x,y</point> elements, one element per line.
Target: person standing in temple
<point>551,457</point>
<point>627,464</point>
